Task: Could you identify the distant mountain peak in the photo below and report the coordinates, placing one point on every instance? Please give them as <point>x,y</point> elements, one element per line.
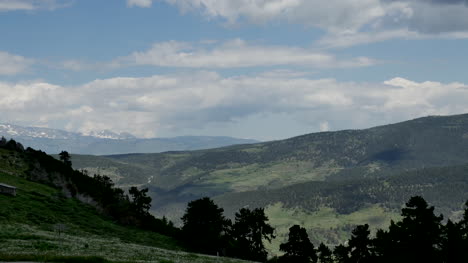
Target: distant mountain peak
<point>11,130</point>
<point>108,142</point>
<point>107,134</point>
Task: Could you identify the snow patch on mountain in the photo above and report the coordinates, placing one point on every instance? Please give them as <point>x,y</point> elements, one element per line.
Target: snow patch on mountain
<point>38,132</point>
<point>106,134</point>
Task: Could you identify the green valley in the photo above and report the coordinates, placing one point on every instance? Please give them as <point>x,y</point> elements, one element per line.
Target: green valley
<point>335,174</point>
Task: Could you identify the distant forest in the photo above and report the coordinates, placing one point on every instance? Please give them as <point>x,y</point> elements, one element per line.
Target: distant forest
<point>420,235</point>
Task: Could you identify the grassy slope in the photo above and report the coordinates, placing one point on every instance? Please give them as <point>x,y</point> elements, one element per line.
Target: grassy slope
<point>29,225</point>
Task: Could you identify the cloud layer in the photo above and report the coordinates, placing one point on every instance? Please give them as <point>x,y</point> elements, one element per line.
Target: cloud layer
<point>171,104</point>
<point>375,20</point>
<point>236,54</point>
<point>29,5</point>
<point>13,64</point>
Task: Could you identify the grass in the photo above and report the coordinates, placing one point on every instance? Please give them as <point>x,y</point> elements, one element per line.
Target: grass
<point>46,208</point>
<point>324,225</point>
<point>23,242</point>
<point>278,174</point>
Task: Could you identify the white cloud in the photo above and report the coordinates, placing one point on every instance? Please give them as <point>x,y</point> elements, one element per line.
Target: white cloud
<point>235,54</point>
<point>330,15</point>
<point>13,64</point>
<point>256,10</point>
<point>352,39</point>
<point>347,40</point>
<point>346,21</point>
<point>28,5</point>
<point>324,126</point>
<point>140,3</point>
<point>8,5</point>
<point>172,104</point>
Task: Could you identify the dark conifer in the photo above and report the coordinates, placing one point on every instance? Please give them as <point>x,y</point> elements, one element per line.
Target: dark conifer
<point>298,248</point>
<point>324,254</point>
<point>205,226</point>
<point>65,158</point>
<point>360,245</point>
<point>248,232</point>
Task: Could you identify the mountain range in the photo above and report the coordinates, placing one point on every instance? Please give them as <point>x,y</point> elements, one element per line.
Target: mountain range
<point>108,142</point>
<point>326,181</point>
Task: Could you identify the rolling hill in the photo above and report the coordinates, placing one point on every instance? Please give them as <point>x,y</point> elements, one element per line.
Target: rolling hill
<point>339,173</point>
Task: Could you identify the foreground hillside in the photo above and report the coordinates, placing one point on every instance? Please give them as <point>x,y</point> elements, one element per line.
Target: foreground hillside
<point>42,224</point>
<point>345,175</point>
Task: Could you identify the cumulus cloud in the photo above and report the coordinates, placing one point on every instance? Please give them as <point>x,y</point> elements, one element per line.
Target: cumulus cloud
<point>140,3</point>
<point>235,54</point>
<point>167,104</point>
<point>13,64</point>
<point>330,15</point>
<point>324,126</point>
<point>28,5</point>
<point>375,20</point>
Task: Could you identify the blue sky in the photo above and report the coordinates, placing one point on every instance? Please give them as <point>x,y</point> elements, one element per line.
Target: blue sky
<point>263,69</point>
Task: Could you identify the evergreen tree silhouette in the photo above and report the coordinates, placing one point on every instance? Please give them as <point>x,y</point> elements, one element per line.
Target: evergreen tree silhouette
<point>248,231</point>
<point>360,245</point>
<point>341,254</point>
<point>324,254</point>
<point>141,202</point>
<point>455,244</point>
<point>204,226</point>
<point>416,238</point>
<point>298,248</point>
<point>65,158</point>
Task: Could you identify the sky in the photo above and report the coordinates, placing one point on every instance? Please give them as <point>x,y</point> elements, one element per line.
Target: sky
<point>260,69</point>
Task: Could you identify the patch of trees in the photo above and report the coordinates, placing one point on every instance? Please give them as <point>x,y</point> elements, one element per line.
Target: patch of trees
<point>11,145</point>
<point>420,236</point>
<point>206,230</point>
<point>131,209</point>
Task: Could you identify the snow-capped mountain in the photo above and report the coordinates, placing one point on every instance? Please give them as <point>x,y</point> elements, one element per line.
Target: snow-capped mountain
<point>108,142</point>
<point>39,132</point>
<point>106,134</point>
<point>9,130</point>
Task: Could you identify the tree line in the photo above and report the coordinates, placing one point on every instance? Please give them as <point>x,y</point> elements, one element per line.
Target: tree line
<point>420,236</point>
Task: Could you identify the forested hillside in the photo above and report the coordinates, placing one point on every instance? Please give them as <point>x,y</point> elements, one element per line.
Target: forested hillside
<point>339,173</point>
